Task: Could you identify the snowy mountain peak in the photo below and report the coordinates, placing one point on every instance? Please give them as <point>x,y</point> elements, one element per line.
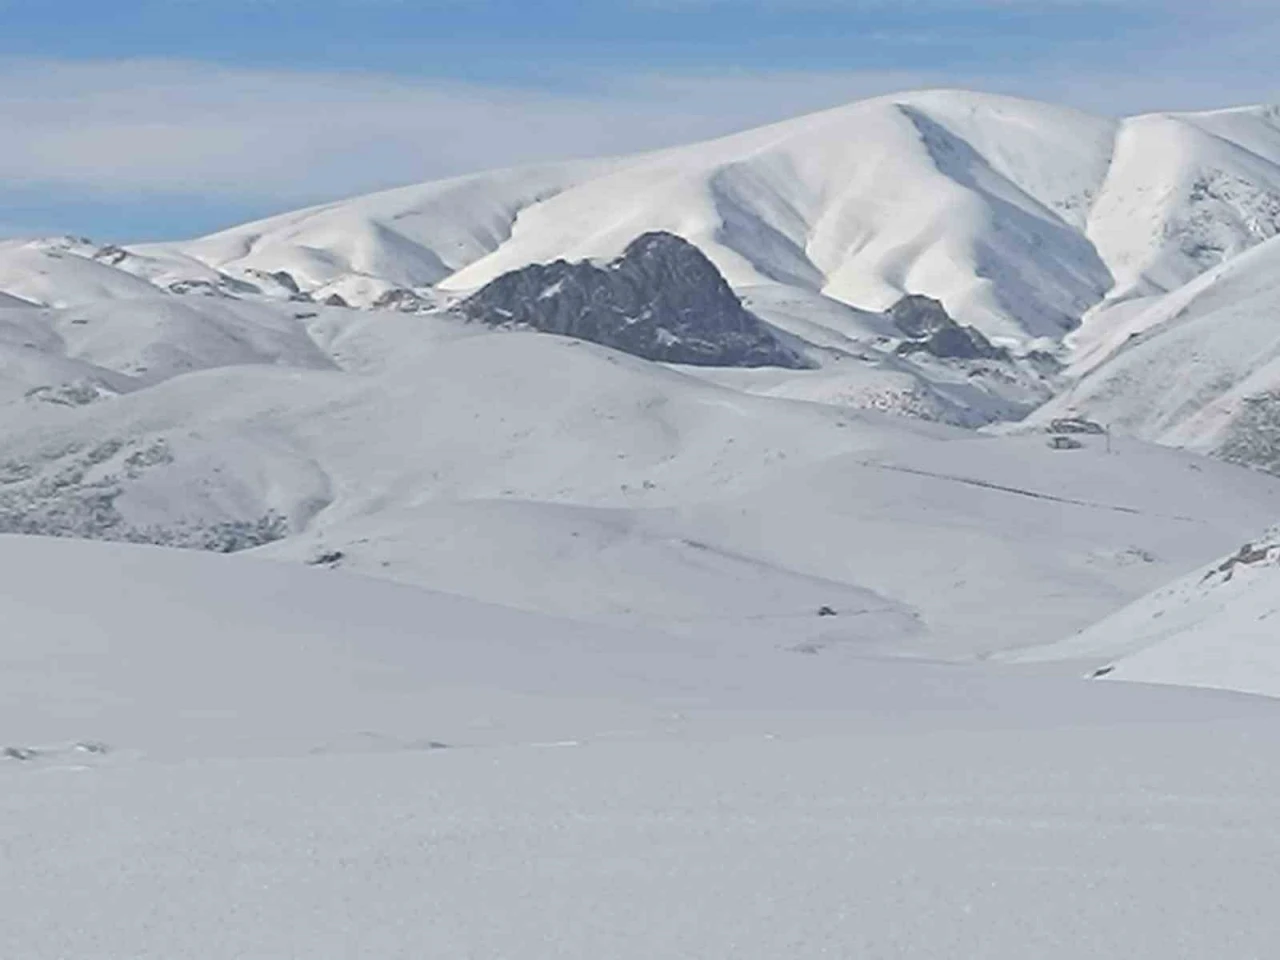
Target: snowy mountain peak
<point>1019,216</point>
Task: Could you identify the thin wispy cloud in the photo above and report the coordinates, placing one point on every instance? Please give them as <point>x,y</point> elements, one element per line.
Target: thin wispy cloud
<point>176,125</point>
<point>168,126</point>
<point>229,120</point>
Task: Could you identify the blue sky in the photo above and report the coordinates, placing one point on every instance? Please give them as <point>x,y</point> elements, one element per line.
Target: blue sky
<point>140,119</point>
<point>533,40</point>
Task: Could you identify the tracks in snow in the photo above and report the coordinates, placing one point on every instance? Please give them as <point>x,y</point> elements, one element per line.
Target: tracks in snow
<point>1020,492</point>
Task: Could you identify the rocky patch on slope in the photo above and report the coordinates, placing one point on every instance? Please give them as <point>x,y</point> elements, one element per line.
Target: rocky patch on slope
<point>929,329</point>
<point>661,300</point>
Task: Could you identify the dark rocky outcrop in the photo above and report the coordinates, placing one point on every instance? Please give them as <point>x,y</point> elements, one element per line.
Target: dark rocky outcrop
<point>929,329</point>
<point>285,279</point>
<point>661,300</point>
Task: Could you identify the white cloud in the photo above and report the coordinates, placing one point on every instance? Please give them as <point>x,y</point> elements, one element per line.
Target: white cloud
<point>186,128</point>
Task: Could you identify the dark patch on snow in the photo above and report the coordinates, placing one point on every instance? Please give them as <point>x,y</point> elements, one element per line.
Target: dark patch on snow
<point>73,493</point>
<point>285,279</point>
<point>1253,438</point>
<point>1248,555</point>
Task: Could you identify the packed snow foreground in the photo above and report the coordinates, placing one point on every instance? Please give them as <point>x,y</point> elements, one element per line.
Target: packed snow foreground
<point>225,757</point>
<point>618,571</point>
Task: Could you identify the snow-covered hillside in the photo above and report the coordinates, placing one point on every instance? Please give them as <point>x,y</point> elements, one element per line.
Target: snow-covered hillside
<point>8,302</point>
<point>562,477</point>
<point>1198,367</point>
<point>227,394</point>
<point>1022,218</point>
<point>1184,193</point>
<point>56,274</point>
<point>928,193</point>
<point>1217,627</point>
<point>1019,216</point>
<point>207,757</point>
<point>532,647</point>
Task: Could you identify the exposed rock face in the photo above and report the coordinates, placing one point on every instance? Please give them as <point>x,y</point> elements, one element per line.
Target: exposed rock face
<point>406,301</point>
<point>661,300</point>
<point>929,328</point>
<point>285,279</point>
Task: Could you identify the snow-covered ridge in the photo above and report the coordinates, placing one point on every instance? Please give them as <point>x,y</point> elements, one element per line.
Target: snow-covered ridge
<point>1022,218</point>
<point>225,394</point>
<point>1019,216</point>
<point>1198,367</point>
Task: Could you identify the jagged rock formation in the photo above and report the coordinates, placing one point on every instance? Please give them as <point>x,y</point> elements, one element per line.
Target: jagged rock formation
<point>929,328</point>
<point>661,300</point>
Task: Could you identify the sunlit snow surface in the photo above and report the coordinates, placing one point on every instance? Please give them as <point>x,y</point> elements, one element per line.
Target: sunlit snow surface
<point>229,758</point>
<point>679,694</point>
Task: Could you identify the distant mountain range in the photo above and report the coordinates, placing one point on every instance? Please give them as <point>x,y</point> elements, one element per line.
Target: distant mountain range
<point>402,383</point>
<point>1049,231</point>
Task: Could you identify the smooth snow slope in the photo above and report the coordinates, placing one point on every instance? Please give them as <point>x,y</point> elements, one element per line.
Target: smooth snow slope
<point>78,355</point>
<point>413,236</point>
<point>164,336</point>
<point>174,654</point>
<point>948,546</point>
<point>562,477</point>
<point>9,302</point>
<point>210,757</point>
<point>1215,628</point>
<point>50,274</point>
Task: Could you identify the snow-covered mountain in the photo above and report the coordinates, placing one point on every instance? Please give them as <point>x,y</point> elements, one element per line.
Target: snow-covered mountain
<point>1023,219</point>
<point>1186,192</point>
<point>63,273</point>
<point>1198,367</point>
<point>1018,216</point>
<point>531,642</point>
<point>310,385</point>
